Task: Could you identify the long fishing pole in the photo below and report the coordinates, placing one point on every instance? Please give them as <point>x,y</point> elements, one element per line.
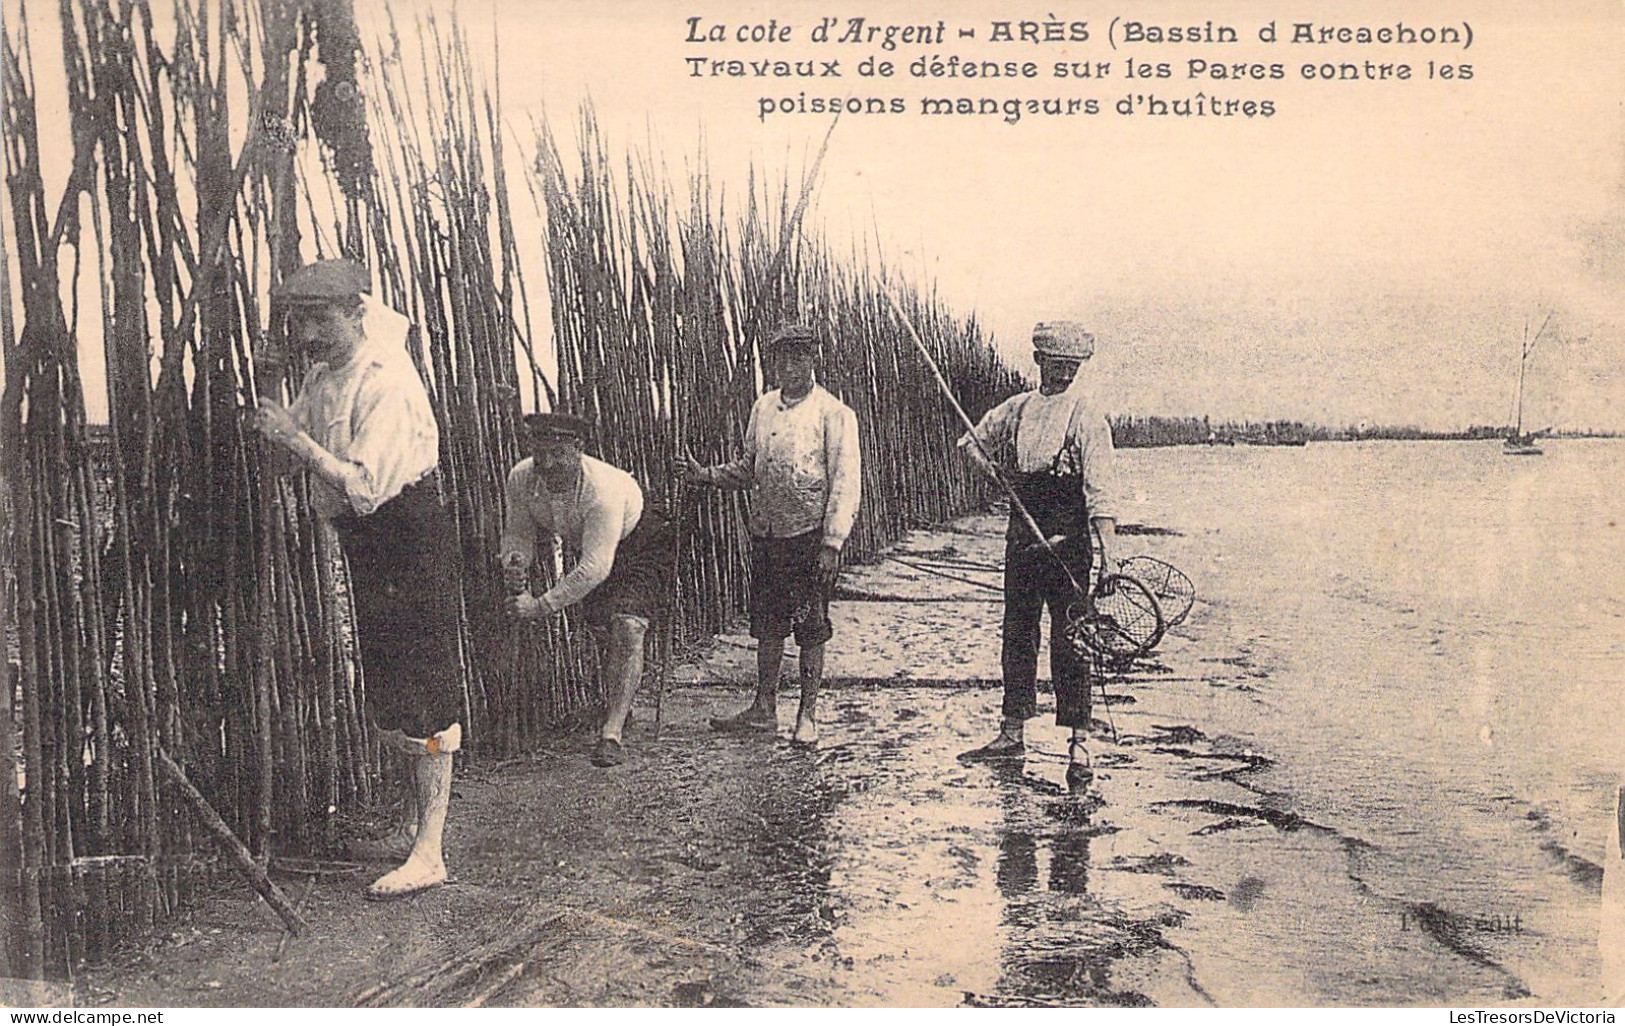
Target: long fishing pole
<point>667,638</point>
<point>993,468</point>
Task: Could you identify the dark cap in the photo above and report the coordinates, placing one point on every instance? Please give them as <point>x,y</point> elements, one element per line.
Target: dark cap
<point>795,337</point>
<point>325,281</point>
<point>558,425</point>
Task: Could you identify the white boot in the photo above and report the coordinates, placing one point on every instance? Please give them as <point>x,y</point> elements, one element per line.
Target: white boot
<point>424,867</point>
<point>395,845</point>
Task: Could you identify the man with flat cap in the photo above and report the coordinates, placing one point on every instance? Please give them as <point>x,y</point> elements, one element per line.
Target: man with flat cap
<point>803,469</point>
<point>623,566</point>
<point>363,427</point>
<point>1055,450</point>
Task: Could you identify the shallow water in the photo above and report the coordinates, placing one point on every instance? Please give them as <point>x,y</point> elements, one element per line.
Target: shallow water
<point>1434,633</point>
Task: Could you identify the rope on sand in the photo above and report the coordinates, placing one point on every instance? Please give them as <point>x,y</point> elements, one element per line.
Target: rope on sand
<point>923,568</point>
<point>847,593</point>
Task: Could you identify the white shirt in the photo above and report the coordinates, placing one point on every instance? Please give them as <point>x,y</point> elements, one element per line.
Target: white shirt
<point>373,412</point>
<point>1033,432</point>
<point>593,518</point>
<point>801,464</point>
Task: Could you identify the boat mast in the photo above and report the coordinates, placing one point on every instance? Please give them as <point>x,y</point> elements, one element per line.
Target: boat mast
<point>1523,361</point>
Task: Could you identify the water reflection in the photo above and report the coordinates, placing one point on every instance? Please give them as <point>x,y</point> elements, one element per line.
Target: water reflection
<point>1017,872</point>
<point>1058,944</point>
<point>1069,862</point>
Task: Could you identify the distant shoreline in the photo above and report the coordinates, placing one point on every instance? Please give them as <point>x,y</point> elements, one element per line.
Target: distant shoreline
<point>1134,432</point>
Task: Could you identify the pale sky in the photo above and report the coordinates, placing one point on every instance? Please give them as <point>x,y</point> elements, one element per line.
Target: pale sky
<point>1371,252</point>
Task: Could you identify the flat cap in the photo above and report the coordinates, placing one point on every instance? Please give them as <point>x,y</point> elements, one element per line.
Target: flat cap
<point>1064,339</point>
<point>558,425</point>
<point>324,282</point>
<point>794,336</point>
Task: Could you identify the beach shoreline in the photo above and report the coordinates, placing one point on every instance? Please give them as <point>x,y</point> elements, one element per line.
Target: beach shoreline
<point>875,870</point>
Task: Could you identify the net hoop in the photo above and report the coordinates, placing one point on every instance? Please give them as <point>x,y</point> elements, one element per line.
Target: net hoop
<point>1119,622</point>
<point>1173,590</point>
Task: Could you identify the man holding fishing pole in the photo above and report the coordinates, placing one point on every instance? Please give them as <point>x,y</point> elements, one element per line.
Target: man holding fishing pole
<point>1054,450</point>
<point>803,469</point>
<point>623,569</point>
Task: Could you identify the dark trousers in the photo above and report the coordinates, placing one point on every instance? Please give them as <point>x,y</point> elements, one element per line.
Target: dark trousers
<point>1033,582</point>
<point>639,584</point>
<point>404,580</point>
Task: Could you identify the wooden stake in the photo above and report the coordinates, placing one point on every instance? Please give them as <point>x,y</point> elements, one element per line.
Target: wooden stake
<point>232,847</point>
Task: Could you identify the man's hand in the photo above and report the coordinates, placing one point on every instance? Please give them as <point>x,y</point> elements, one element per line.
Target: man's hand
<point>273,421</point>
<point>524,606</point>
<point>975,454</point>
<point>1106,531</point>
<point>687,469</point>
<point>829,565</point>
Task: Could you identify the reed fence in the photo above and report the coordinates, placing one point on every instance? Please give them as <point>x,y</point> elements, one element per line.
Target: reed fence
<point>167,596</point>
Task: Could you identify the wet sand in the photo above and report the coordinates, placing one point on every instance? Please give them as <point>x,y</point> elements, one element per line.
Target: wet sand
<point>876,869</point>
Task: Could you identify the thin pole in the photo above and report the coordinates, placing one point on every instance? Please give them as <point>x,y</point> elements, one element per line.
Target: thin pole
<point>233,848</point>
<point>1523,361</point>
<point>666,640</point>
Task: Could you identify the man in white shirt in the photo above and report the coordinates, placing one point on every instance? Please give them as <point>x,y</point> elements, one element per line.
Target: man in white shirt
<point>363,426</point>
<point>1055,449</point>
<point>804,472</point>
<point>623,572</point>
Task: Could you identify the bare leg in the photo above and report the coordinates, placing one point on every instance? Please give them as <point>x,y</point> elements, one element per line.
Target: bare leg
<point>812,677</point>
<point>769,664</point>
<point>624,663</point>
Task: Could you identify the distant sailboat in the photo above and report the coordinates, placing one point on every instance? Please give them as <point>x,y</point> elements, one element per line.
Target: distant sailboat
<point>1518,443</point>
